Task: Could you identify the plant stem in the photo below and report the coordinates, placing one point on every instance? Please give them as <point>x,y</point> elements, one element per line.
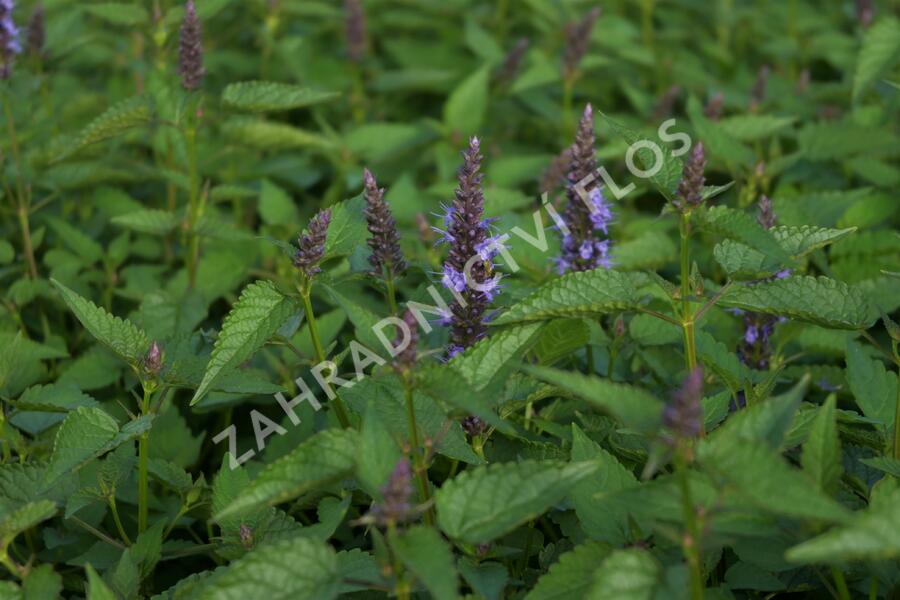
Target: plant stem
<point>418,453</point>
<point>840,583</point>
<point>687,317</point>
<point>391,293</point>
<point>22,209</point>
<point>194,207</point>
<point>115,513</point>
<point>26,241</point>
<point>691,541</point>
<point>99,534</point>
<point>896,349</point>
<point>143,476</point>
<point>568,85</point>
<point>339,409</point>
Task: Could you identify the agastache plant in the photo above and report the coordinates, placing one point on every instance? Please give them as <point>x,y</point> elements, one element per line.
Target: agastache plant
<point>386,258</point>
<point>468,270</point>
<point>190,50</point>
<point>587,217</point>
<point>9,39</point>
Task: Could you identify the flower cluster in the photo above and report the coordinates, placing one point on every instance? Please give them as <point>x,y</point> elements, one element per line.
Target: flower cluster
<point>386,257</point>
<point>587,213</point>
<point>190,51</point>
<point>468,270</point>
<point>355,30</point>
<point>509,68</point>
<point>396,497</point>
<point>578,35</point>
<point>406,358</point>
<point>9,39</point>
<point>690,188</point>
<point>311,249</point>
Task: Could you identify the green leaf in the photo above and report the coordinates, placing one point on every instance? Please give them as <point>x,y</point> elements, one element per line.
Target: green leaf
<point>298,568</point>
<point>85,434</point>
<point>42,582</point>
<point>764,479</point>
<point>483,503</point>
<point>741,227</point>
<point>119,13</point>
<point>259,312</point>
<point>600,516</point>
<point>120,335</point>
<point>466,105</point>
<point>667,175</point>
<point>821,457</point>
<point>561,338</point>
<point>7,252</point>
<point>378,452</point>
<point>583,294</point>
<point>96,587</point>
<point>263,96</point>
<point>572,575</point>
<point>422,550</point>
<point>272,136</point>
<point>14,522</point>
<point>447,385</point>
<point>716,140</point>
<point>880,49</point>
<point>652,250</point>
<point>276,207</point>
<point>750,128</point>
<point>347,229</point>
<point>766,422</point>
<point>873,386</point>
<point>323,458</point>
<point>626,575</point>
<point>156,222</point>
<point>816,300</point>
<point>481,364</point>
<point>872,535</point>
<point>633,407</point>
<point>722,360</point>
<point>83,245</point>
<point>117,119</point>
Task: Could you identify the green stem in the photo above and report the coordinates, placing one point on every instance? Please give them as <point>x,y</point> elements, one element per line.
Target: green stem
<point>568,85</point>
<point>391,293</point>
<point>22,209</point>
<point>418,453</point>
<point>339,409</point>
<point>115,513</point>
<point>687,316</point>
<point>691,542</point>
<point>896,348</point>
<point>143,472</point>
<point>194,207</point>
<point>840,583</point>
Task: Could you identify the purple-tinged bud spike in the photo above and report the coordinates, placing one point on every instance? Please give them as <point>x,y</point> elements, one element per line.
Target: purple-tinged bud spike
<point>473,425</point>
<point>509,68</point>
<point>767,217</point>
<point>246,535</point>
<point>467,231</point>
<point>865,12</point>
<point>666,103</point>
<point>386,255</point>
<point>312,244</point>
<point>758,92</point>
<point>395,505</point>
<point>713,108</point>
<point>683,415</point>
<point>190,51</point>
<point>555,174</point>
<point>36,32</point>
<point>9,39</point>
<point>577,42</point>
<point>406,358</point>
<point>690,189</point>
<point>153,360</point>
<point>355,32</point>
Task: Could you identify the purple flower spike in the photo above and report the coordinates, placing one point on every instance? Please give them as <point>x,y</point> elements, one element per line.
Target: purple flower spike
<point>312,244</point>
<point>190,52</point>
<point>683,416</point>
<point>587,214</point>
<point>9,39</point>
<point>384,241</point>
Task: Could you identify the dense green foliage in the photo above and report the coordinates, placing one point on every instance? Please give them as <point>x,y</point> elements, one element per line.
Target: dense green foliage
<point>713,416</point>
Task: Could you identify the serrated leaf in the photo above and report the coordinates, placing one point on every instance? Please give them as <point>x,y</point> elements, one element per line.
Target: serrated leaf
<point>873,386</point>
<point>447,385</point>
<point>299,569</point>
<point>872,535</point>
<point>880,50</point>
<point>466,105</point>
<point>716,140</point>
<point>722,361</point>
<point>347,229</point>
<point>423,551</point>
<point>96,587</point>
<point>821,457</point>
<point>583,294</point>
<point>157,222</point>
<point>485,502</point>
<point>651,250</point>
<point>667,175</point>
<point>25,517</point>
<point>120,335</point>
<point>264,96</point>
<point>572,575</point>
<point>765,422</point>
<point>323,458</point>
<point>83,245</point>
<point>741,227</point>
<point>117,119</point>
<point>818,300</point>
<point>749,128</point>
<point>633,407</point>
<point>489,357</point>
<point>271,135</point>
<point>259,312</point>
<point>626,575</point>
<point>559,339</point>
<point>85,434</point>
<point>763,478</point>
